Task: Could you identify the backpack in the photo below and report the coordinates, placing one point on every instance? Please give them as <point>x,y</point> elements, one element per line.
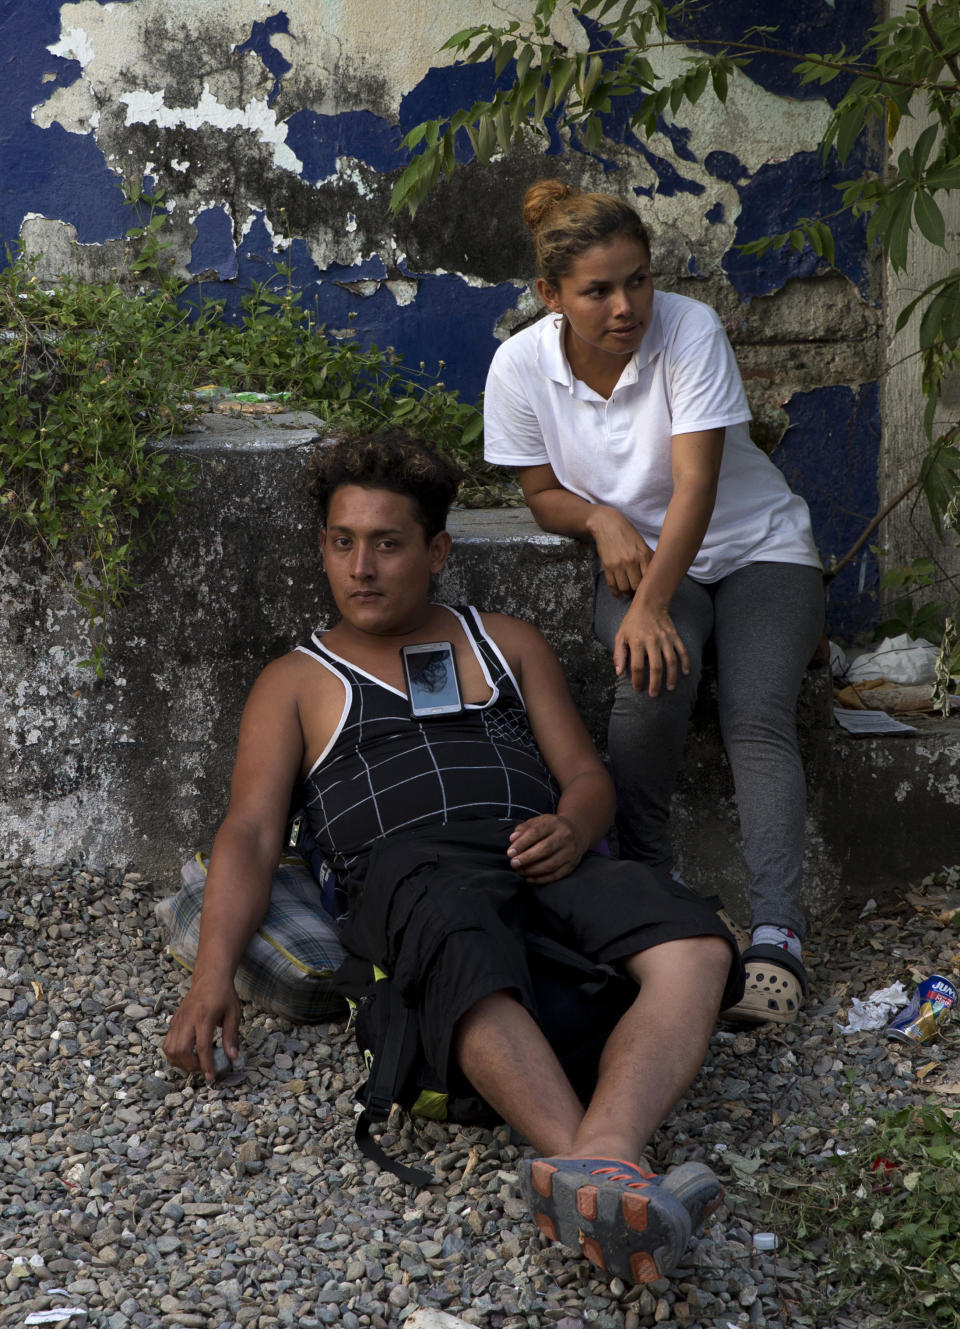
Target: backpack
<point>578,1004</point>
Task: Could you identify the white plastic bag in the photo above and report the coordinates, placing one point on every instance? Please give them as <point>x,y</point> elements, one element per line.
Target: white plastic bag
<point>897,659</point>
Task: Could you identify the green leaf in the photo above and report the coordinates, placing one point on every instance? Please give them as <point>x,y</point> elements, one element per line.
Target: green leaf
<point>462,38</point>
<point>943,177</point>
<point>480,52</point>
<point>486,139</point>
<point>940,476</point>
<point>503,126</point>
<point>591,133</point>
<point>903,317</point>
<point>561,76</point>
<point>504,55</point>
<point>473,429</point>
<point>695,84</point>
<point>590,75</point>
<point>531,85</point>
<point>849,126</point>
<point>821,239</point>
<point>941,319</point>
<point>523,63</point>
<point>929,218</point>
<point>923,147</point>
<point>891,224</point>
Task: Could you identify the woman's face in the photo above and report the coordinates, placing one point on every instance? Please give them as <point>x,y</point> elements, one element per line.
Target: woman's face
<point>606,298</point>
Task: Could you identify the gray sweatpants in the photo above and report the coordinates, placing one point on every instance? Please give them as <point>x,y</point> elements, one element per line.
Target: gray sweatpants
<point>765,620</point>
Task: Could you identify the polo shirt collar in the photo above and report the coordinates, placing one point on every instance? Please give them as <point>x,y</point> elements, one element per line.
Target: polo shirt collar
<point>553,362</point>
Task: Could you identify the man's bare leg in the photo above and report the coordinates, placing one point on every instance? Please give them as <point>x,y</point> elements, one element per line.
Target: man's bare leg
<point>656,1049</point>
<point>503,1053</point>
<point>619,1217</point>
<point>650,1059</point>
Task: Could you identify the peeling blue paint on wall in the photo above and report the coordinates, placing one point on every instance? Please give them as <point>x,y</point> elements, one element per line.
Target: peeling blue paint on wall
<point>318,140</point>
<point>48,171</point>
<point>725,166</point>
<point>65,176</point>
<point>449,320</point>
<point>814,25</point>
<point>773,201</point>
<point>779,194</point>
<point>259,42</point>
<point>715,214</point>
<point>829,454</point>
<point>669,179</point>
<point>213,246</point>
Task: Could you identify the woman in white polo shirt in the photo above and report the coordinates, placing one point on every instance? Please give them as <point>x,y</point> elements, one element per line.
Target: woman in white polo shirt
<point>624,411</point>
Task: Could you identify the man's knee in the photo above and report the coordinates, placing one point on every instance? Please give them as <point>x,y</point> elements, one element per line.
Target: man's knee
<point>491,1014</point>
<point>704,960</point>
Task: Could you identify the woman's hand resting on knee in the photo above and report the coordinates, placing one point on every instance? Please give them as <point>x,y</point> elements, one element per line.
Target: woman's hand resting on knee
<point>649,645</point>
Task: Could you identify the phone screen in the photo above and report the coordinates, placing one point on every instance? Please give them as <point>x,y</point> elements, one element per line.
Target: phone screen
<point>431,675</point>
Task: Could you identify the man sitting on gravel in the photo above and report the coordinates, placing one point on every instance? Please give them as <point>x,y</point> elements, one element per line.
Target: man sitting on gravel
<point>449,833</point>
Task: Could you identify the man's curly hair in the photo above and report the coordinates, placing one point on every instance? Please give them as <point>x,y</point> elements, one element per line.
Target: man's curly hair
<point>391,459</point>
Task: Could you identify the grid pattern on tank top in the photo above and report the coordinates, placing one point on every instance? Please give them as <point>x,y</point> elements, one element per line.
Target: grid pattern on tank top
<point>387,772</point>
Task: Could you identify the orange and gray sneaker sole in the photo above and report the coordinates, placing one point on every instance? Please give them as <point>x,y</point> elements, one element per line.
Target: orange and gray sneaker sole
<point>697,1188</point>
<point>637,1232</point>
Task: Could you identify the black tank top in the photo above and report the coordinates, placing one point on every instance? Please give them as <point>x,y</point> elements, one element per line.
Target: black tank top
<point>384,772</point>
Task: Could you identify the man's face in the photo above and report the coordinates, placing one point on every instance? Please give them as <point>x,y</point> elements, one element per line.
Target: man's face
<point>378,560</point>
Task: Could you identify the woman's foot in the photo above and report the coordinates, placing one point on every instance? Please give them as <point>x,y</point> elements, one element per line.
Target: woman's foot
<point>776,985</point>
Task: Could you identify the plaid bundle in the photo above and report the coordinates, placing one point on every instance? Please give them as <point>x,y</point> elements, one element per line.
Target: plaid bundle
<point>288,966</point>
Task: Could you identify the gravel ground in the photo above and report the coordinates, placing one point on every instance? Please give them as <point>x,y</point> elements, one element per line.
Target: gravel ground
<point>143,1199</point>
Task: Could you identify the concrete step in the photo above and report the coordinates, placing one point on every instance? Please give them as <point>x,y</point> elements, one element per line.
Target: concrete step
<point>136,768</point>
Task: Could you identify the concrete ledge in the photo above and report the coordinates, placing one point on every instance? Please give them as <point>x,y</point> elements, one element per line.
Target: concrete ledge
<point>136,768</point>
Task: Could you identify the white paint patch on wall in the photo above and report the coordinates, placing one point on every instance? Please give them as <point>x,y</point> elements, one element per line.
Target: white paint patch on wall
<point>344,48</point>
<point>72,108</point>
<point>74,44</point>
<point>756,125</point>
<point>403,291</point>
<point>339,51</point>
<point>145,108</point>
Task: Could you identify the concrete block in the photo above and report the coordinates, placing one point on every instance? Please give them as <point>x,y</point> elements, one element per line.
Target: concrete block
<point>135,768</point>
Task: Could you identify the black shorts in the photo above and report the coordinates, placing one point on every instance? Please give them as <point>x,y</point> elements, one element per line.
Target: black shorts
<point>443,913</point>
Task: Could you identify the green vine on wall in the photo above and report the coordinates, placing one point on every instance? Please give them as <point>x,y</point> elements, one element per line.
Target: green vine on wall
<point>89,378</point>
<point>94,375</point>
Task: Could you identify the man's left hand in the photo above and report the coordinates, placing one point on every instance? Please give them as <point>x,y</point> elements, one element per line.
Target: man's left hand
<point>544,849</point>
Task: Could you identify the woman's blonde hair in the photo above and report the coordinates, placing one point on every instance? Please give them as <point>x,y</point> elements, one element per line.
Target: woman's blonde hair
<point>564,222</point>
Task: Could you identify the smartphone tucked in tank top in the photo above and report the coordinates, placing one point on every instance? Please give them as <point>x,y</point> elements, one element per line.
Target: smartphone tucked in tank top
<point>384,772</point>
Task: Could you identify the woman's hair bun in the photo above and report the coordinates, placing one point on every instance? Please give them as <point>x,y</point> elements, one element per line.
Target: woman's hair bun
<point>541,197</point>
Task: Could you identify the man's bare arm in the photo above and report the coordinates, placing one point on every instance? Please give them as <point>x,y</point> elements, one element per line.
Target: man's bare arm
<point>245,856</point>
<point>547,848</point>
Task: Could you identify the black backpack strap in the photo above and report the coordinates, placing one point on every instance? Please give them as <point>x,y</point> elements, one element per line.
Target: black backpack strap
<point>394,1059</point>
<point>410,1176</point>
<point>589,976</point>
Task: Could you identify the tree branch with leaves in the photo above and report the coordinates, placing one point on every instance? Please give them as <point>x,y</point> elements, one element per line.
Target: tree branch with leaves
<point>908,65</point>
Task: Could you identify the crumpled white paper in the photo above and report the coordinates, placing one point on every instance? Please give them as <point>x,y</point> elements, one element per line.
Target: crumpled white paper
<point>897,659</point>
<point>874,1012</point>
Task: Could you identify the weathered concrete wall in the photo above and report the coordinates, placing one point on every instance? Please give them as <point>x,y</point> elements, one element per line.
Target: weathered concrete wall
<point>908,531</point>
<point>136,767</point>
<point>275,133</point>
